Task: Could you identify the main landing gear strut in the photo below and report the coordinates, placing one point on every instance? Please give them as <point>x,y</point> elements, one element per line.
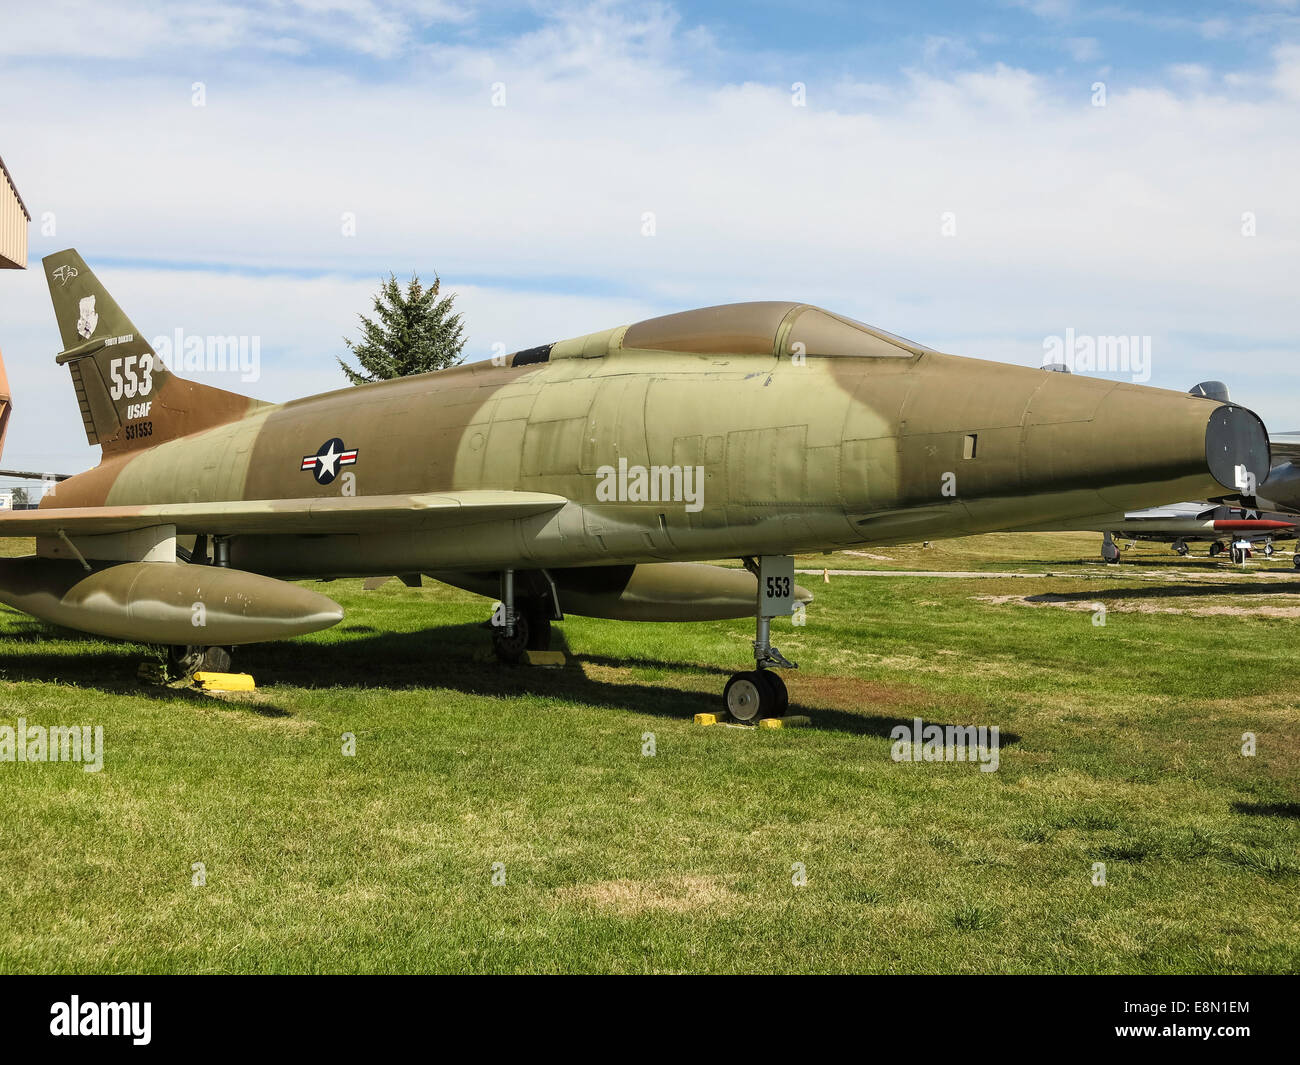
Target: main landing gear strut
<point>522,623</point>
<point>761,692</point>
<point>184,660</point>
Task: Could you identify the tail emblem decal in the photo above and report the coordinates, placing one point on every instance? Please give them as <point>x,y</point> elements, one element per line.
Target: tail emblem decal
<point>331,455</point>
<point>89,318</point>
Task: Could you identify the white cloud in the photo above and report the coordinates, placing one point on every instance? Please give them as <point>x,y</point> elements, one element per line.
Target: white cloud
<point>182,30</point>
<point>1049,9</point>
<point>1123,219</point>
<point>1286,76</point>
<point>1194,75</point>
<point>1082,49</point>
<point>951,50</point>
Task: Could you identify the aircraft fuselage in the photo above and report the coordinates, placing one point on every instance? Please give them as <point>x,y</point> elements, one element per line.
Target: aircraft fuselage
<point>683,456</point>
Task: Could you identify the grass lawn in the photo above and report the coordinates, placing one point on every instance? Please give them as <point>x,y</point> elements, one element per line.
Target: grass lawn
<point>1121,744</point>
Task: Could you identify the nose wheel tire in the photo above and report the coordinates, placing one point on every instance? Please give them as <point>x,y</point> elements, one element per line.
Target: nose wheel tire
<point>755,694</point>
<point>777,689</point>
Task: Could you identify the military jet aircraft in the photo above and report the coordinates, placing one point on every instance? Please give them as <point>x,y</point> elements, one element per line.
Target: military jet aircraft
<point>1226,528</point>
<point>1280,490</point>
<point>1236,529</point>
<point>1271,502</point>
<point>586,476</point>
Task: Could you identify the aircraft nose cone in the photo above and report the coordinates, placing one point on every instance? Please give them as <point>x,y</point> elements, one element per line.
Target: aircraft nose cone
<point>1140,447</point>
<point>1236,444</point>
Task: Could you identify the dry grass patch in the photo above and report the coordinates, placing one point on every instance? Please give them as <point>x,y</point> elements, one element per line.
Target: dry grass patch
<point>627,898</point>
<point>1201,606</point>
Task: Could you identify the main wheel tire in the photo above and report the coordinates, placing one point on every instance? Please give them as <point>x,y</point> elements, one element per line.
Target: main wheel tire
<point>188,659</point>
<point>745,696</point>
<point>1268,550</point>
<point>1216,549</point>
<point>532,633</point>
<point>777,690</point>
<point>539,628</point>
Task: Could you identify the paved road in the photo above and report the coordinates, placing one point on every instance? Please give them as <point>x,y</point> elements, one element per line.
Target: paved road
<point>1126,572</point>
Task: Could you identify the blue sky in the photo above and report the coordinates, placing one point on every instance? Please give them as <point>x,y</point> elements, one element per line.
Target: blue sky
<point>1041,36</point>
<point>225,219</point>
<point>821,40</point>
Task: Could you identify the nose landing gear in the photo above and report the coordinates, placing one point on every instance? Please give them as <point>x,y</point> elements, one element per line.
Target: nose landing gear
<point>760,692</point>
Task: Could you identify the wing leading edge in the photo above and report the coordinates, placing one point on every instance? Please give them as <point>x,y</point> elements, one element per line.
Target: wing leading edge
<point>270,516</point>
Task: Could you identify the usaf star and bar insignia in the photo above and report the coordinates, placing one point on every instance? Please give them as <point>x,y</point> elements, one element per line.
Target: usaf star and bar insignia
<point>329,458</point>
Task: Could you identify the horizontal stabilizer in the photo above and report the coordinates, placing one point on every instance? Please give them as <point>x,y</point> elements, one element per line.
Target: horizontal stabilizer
<point>32,475</point>
<point>1285,447</point>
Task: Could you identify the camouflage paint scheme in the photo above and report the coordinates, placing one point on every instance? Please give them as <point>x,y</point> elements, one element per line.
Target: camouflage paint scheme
<point>813,433</point>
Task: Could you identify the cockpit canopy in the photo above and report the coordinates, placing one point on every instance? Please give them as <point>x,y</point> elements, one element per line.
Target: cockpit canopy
<point>767,328</point>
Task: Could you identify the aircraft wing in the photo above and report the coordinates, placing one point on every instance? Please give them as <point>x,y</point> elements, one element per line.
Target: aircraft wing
<point>1284,447</point>
<point>31,475</point>
<point>1188,511</point>
<point>339,514</point>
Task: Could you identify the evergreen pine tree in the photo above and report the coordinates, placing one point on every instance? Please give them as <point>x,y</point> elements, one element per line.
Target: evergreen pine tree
<point>414,332</point>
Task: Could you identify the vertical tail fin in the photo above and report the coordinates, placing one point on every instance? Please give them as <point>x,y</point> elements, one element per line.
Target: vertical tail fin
<point>128,397</point>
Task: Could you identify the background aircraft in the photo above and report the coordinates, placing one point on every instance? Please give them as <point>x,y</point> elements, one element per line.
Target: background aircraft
<point>589,475</point>
<point>1280,490</point>
<point>1226,528</point>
